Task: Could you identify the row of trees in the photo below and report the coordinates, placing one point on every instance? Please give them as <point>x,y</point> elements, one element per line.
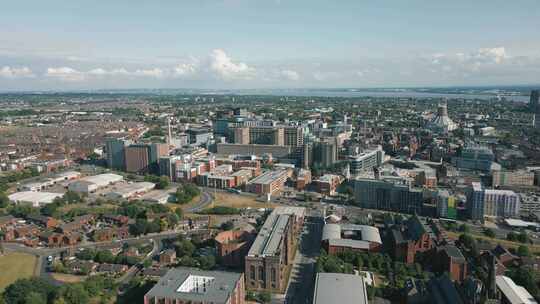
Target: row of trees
<point>39,291</point>
<point>162,182</point>
<point>185,193</point>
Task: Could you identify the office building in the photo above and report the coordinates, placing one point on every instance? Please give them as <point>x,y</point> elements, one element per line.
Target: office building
<point>268,183</point>
<point>199,136</point>
<point>116,153</point>
<point>392,194</point>
<point>366,160</point>
<point>325,152</point>
<point>475,158</point>
<point>241,135</point>
<point>187,285</point>
<point>273,250</point>
<point>483,202</point>
<point>446,205</point>
<point>258,150</point>
<point>332,288</point>
<point>506,178</point>
<point>138,158</point>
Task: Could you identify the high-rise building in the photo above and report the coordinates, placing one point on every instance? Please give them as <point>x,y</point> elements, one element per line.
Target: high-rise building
<point>475,158</point>
<point>534,103</point>
<point>266,136</point>
<point>483,202</point>
<point>325,152</point>
<point>115,153</point>
<point>241,135</point>
<point>138,158</point>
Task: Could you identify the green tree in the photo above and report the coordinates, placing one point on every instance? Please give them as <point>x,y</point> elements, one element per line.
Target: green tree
<point>511,236</point>
<point>75,294</point>
<point>35,298</point>
<point>465,228</point>
<point>179,212</point>
<point>489,233</point>
<point>523,251</point>
<point>523,237</point>
<point>4,200</point>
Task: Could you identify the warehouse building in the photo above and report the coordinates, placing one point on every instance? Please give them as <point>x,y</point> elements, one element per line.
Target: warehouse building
<point>126,191</point>
<point>92,183</point>
<point>33,198</point>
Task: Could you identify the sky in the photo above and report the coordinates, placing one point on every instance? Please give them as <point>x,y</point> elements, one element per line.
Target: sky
<point>251,44</point>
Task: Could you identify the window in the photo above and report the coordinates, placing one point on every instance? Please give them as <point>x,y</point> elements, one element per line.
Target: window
<point>261,273</point>
<point>252,272</point>
<point>273,275</point>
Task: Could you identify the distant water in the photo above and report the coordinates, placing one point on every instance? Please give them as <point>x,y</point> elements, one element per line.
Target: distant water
<point>389,94</point>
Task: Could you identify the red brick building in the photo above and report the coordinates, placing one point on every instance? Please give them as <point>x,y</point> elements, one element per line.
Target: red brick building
<point>406,241</point>
<point>450,259</point>
<point>233,246</point>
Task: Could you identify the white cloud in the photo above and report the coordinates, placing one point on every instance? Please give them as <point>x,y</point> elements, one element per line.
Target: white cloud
<point>290,75</point>
<point>104,72</point>
<point>155,72</point>
<point>65,74</point>
<point>185,69</point>
<point>325,76</point>
<point>223,66</point>
<point>496,55</point>
<point>22,72</point>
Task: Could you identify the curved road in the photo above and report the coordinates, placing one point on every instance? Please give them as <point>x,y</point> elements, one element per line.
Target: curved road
<point>204,201</point>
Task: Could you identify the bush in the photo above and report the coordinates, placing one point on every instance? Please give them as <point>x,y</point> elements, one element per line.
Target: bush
<point>221,210</point>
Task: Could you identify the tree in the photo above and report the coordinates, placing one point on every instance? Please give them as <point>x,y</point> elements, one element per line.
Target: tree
<point>228,225</point>
<point>35,298</point>
<point>163,182</point>
<point>16,293</point>
<point>489,233</point>
<point>523,251</point>
<point>75,294</point>
<point>465,228</point>
<point>265,297</point>
<point>104,256</point>
<point>4,200</point>
<point>511,236</point>
<point>179,212</point>
<point>523,237</point>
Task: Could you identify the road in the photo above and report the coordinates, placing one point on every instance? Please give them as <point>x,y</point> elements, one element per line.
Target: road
<point>204,201</point>
<point>302,277</point>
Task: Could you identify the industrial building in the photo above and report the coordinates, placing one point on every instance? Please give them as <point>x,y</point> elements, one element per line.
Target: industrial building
<point>33,198</point>
<point>126,191</point>
<point>188,285</point>
<point>332,288</point>
<point>92,183</point>
<point>273,250</point>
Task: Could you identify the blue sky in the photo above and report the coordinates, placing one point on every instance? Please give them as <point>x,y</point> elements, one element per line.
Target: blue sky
<point>267,43</point>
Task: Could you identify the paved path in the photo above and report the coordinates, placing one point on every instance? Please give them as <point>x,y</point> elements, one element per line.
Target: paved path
<point>302,277</point>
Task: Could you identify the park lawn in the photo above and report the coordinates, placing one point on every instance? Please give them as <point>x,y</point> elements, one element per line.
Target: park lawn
<point>506,243</point>
<point>15,266</point>
<point>239,201</point>
<point>68,278</point>
<point>194,201</point>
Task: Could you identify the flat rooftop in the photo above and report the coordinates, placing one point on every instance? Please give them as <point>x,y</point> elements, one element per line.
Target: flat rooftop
<point>197,286</point>
<point>268,177</point>
<point>331,288</point>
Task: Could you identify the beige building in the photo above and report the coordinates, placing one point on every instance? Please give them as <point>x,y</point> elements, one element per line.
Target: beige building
<point>512,178</point>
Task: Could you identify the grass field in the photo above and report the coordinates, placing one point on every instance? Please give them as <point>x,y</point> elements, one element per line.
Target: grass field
<point>15,266</point>
<point>68,278</point>
<point>505,243</point>
<point>239,201</point>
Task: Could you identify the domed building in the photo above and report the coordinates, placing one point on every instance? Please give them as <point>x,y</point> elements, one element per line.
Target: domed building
<point>441,123</point>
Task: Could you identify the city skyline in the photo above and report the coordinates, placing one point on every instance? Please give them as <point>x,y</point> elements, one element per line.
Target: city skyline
<point>242,44</point>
